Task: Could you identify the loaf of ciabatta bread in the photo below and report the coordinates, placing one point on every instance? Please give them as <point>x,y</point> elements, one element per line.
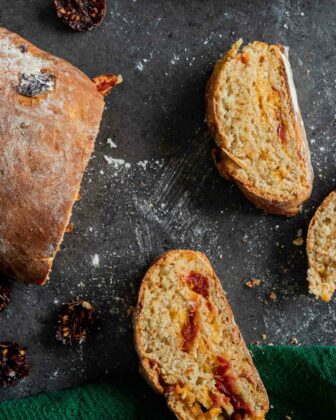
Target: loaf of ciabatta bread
<point>50,114</point>
<point>321,250</point>
<point>189,345</point>
<point>254,117</point>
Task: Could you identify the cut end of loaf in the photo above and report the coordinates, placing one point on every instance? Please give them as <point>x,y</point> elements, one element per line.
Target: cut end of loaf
<point>189,345</point>
<point>254,116</point>
<point>321,250</point>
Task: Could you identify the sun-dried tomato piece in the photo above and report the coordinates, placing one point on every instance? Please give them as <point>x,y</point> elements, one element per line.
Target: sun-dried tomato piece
<point>225,383</point>
<point>5,295</point>
<point>198,284</point>
<point>244,58</point>
<point>76,321</point>
<point>81,15</point>
<point>281,133</point>
<point>14,364</point>
<point>106,82</point>
<point>190,329</point>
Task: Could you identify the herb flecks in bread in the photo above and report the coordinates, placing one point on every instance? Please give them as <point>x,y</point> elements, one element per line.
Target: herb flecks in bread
<point>254,116</point>
<point>321,250</point>
<point>189,346</point>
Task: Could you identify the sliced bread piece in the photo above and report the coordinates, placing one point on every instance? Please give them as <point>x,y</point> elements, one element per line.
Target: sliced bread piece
<point>189,345</point>
<point>254,116</point>
<point>321,250</point>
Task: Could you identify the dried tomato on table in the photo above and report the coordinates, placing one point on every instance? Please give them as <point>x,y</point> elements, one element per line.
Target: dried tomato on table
<point>14,364</point>
<point>81,15</point>
<point>76,322</point>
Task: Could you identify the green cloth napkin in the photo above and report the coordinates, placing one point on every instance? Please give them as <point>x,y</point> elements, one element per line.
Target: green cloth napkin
<point>301,383</point>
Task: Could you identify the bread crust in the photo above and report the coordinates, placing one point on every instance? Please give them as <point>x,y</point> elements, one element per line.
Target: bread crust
<point>45,144</point>
<point>268,202</point>
<point>152,375</point>
<point>310,242</point>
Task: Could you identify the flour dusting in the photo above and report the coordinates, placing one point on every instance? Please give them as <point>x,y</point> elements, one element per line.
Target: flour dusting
<point>111,143</point>
<point>95,260</point>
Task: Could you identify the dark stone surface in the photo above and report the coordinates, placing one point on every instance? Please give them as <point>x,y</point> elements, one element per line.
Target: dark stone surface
<point>166,50</point>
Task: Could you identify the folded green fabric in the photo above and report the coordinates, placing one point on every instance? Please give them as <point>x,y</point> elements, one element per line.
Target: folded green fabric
<point>301,383</point>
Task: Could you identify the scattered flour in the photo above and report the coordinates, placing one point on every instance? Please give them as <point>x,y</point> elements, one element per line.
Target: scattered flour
<point>139,66</point>
<point>143,164</point>
<point>95,260</point>
<point>111,143</point>
<point>175,59</point>
<point>117,163</point>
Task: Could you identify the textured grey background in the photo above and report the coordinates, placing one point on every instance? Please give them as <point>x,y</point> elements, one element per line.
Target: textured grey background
<point>166,192</point>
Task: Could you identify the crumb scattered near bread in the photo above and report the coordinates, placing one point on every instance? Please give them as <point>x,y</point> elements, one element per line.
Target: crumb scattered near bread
<point>298,241</point>
<point>273,296</point>
<point>130,311</point>
<point>293,340</point>
<point>69,228</point>
<point>253,283</point>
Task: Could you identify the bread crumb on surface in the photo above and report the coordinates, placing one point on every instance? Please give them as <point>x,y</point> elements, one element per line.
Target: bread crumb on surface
<point>263,337</point>
<point>253,283</point>
<point>273,296</point>
<point>69,228</point>
<point>298,241</point>
<point>293,340</point>
<point>130,311</point>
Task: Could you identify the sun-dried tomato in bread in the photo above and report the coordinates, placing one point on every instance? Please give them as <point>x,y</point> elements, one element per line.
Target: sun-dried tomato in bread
<point>81,15</point>
<point>191,327</point>
<point>14,364</point>
<point>198,283</point>
<point>106,82</point>
<point>76,321</point>
<point>225,383</point>
<point>5,295</point>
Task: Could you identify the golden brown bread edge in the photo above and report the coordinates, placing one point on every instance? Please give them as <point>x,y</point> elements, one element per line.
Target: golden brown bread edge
<point>262,200</point>
<point>309,242</point>
<point>150,375</point>
<point>45,144</point>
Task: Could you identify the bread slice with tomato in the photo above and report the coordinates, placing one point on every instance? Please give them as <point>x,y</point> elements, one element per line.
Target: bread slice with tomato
<point>254,116</point>
<point>321,250</point>
<point>189,345</point>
